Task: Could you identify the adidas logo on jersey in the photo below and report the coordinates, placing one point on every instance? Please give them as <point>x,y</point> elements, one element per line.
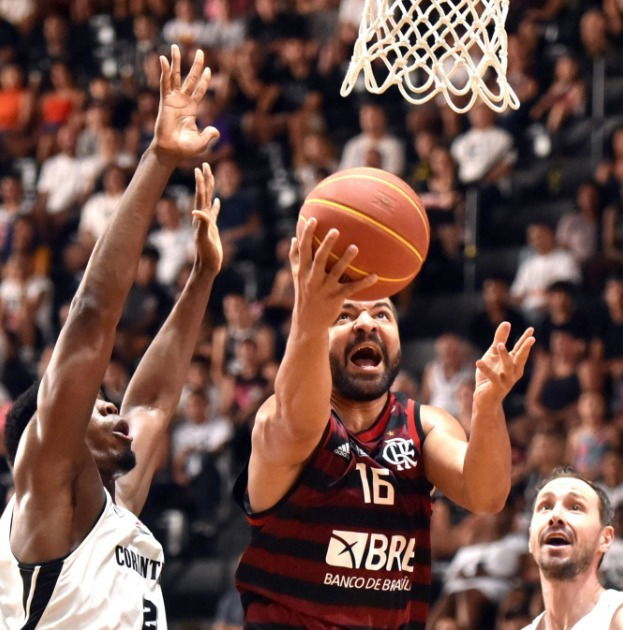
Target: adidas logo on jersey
<point>343,450</point>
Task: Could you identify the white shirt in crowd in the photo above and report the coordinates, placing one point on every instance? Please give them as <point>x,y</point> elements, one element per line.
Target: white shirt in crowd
<point>97,213</point>
<point>64,179</point>
<point>391,150</point>
<point>536,273</point>
<point>477,151</point>
<point>175,248</point>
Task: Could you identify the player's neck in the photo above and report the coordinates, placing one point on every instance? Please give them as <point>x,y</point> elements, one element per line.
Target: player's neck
<point>358,416</point>
<point>566,602</point>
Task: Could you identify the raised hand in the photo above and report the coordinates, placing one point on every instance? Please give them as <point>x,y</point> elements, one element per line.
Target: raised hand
<point>176,135</point>
<point>498,370</point>
<point>319,293</point>
<point>205,213</point>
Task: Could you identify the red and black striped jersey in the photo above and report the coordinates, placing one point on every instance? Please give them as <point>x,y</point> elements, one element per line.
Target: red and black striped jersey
<point>349,544</point>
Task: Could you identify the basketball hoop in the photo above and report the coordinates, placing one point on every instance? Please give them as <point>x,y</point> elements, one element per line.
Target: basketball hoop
<point>457,48</point>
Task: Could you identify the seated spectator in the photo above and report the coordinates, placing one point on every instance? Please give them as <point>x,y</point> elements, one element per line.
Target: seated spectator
<point>314,161</point>
<point>240,323</point>
<point>565,98</point>
<point>608,171</point>
<point>611,477</point>
<point>520,76</point>
<point>484,153</point>
<point>607,339</point>
<point>65,180</point>
<point>596,44</point>
<point>579,232</point>
<point>562,313</point>
<point>96,125</point>
<point>558,379</point>
<point>611,569</point>
<point>12,205</point>
<point>444,375</point>
<point>100,207</point>
<point>173,241</point>
<point>186,28</point>
<point>270,23</point>
<point>16,109</point>
<point>613,11</point>
<point>239,220</point>
<point>279,302</point>
<point>424,143</point>
<point>223,31</point>
<point>545,266</point>
<point>590,440</point>
<point>374,135</point>
<point>497,308</point>
<point>198,441</point>
<point>481,574</point>
<point>441,193</point>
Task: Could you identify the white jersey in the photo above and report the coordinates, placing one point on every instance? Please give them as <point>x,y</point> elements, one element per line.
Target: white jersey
<point>599,617</point>
<point>111,580</point>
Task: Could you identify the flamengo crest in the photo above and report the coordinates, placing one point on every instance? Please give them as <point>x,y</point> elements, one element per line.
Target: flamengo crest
<point>400,453</point>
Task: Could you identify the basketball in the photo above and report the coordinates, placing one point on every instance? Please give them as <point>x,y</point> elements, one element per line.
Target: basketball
<point>379,213</point>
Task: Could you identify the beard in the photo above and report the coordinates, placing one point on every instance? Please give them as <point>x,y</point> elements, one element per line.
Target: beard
<point>126,461</point>
<point>363,388</point>
<point>565,569</point>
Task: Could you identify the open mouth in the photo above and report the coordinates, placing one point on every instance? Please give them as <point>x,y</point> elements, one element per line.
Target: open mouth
<point>122,430</point>
<point>366,355</point>
<point>556,539</point>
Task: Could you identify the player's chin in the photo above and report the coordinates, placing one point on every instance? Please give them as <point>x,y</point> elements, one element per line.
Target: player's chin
<point>125,460</point>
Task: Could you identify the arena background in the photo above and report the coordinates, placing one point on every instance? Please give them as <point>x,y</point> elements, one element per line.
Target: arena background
<point>527,225</point>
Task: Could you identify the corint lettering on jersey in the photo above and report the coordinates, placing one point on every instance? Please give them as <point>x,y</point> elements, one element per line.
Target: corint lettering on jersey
<point>145,567</point>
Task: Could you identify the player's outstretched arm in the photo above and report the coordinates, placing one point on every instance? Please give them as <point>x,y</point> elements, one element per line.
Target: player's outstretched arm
<point>154,391</point>
<point>71,382</point>
<point>290,424</point>
<point>477,473</point>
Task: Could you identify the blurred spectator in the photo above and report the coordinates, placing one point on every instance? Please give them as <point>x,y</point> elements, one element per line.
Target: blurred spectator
<point>223,30</point>
<point>240,324</point>
<point>562,313</point>
<point>279,302</point>
<point>186,28</point>
<point>484,153</point>
<point>12,205</point>
<point>611,569</point>
<point>497,308</point>
<point>579,231</point>
<point>65,180</point>
<point>613,10</point>
<point>198,440</point>
<point>589,441</point>
<point>173,241</point>
<point>444,375</point>
<point>314,161</point>
<point>239,220</point>
<point>596,44</point>
<point>374,136</point>
<point>558,379</point>
<point>565,98</point>
<point>270,23</point>
<point>424,143</point>
<point>545,266</point>
<point>441,192</point>
<point>611,478</point>
<point>61,99</point>
<point>100,207</point>
<point>229,613</point>
<point>482,573</point>
<point>16,110</point>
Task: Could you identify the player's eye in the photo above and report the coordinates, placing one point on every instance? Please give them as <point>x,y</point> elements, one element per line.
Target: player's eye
<point>544,506</point>
<point>382,315</point>
<point>344,317</point>
<point>576,507</point>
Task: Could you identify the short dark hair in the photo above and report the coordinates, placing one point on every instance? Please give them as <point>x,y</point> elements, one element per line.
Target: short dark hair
<point>606,513</point>
<point>17,419</point>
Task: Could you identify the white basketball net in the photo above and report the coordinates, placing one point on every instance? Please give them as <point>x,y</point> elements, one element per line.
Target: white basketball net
<point>457,48</point>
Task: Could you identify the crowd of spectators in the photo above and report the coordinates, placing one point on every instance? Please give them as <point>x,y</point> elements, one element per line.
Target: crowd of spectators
<point>78,100</point>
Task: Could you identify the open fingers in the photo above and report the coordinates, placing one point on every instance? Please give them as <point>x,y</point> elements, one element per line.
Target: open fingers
<point>522,354</point>
<point>526,333</point>
<point>500,336</point>
<point>489,372</point>
<point>208,180</point>
<point>194,74</point>
<point>202,85</point>
<point>165,77</point>
<point>176,67</point>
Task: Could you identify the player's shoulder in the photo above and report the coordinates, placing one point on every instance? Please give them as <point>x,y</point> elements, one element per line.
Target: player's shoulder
<point>617,618</point>
<point>435,418</point>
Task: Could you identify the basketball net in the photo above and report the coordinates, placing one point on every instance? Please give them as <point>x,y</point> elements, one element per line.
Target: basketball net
<point>457,48</point>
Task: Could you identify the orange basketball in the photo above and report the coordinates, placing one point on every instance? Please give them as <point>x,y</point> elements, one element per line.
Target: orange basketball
<point>379,213</point>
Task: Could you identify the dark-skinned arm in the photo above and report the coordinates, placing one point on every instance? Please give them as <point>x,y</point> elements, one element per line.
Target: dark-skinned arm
<point>154,390</point>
